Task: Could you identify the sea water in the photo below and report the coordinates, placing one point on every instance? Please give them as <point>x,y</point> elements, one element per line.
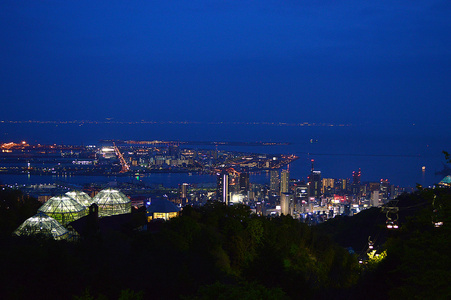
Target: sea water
<point>397,152</point>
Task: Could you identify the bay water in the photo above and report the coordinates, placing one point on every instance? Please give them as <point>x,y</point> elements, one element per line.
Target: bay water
<point>396,152</point>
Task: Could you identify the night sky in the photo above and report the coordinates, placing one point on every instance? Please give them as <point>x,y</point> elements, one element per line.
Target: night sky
<point>366,62</point>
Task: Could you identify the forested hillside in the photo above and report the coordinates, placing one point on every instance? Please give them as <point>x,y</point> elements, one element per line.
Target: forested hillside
<point>225,252</point>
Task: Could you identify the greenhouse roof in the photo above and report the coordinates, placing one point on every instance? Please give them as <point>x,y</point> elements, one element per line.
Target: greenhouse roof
<point>446,180</point>
<point>80,197</point>
<point>110,197</point>
<point>42,224</point>
<point>61,204</point>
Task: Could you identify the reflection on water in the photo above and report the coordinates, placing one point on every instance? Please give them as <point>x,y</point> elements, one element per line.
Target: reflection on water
<point>394,152</point>
<point>165,179</point>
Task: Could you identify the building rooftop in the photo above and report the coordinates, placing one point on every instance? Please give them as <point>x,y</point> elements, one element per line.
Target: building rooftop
<point>162,206</point>
<point>446,181</point>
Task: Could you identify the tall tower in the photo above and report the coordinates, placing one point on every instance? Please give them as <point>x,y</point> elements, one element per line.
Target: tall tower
<point>356,176</point>
<point>327,186</point>
<point>285,203</point>
<point>184,191</point>
<point>384,189</point>
<point>314,183</point>
<point>222,188</point>
<point>285,181</point>
<point>274,181</point>
<point>244,182</point>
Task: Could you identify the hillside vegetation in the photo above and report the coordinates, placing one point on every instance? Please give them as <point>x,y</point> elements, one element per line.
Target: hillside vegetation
<point>225,252</point>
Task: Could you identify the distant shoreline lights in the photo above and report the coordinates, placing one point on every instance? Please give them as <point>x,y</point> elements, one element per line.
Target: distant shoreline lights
<point>81,122</point>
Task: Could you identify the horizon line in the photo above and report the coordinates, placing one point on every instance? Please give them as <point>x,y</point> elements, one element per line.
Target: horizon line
<point>319,124</point>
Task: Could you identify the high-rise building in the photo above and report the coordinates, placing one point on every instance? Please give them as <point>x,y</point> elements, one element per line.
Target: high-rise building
<point>285,203</point>
<point>375,198</point>
<point>344,183</point>
<point>222,188</point>
<point>340,186</point>
<point>355,186</point>
<point>274,181</point>
<point>314,183</point>
<point>363,190</point>
<point>174,151</point>
<point>184,191</point>
<point>394,191</point>
<point>244,182</point>
<point>234,182</point>
<point>328,186</point>
<point>284,181</point>
<point>384,189</point>
<point>356,177</point>
<point>301,194</point>
<point>374,186</point>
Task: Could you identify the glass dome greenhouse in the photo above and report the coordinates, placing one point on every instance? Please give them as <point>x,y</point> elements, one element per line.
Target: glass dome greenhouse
<point>64,209</point>
<point>112,202</point>
<point>81,197</point>
<point>41,224</point>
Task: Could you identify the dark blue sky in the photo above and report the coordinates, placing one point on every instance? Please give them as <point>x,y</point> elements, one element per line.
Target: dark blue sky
<point>353,62</point>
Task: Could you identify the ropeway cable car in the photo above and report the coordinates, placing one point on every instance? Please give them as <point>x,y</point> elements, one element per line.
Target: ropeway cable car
<point>370,244</point>
<point>436,214</point>
<point>392,215</point>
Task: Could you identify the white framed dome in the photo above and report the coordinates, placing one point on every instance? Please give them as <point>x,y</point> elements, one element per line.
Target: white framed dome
<point>112,202</point>
<point>41,224</point>
<point>64,209</point>
<point>80,197</point>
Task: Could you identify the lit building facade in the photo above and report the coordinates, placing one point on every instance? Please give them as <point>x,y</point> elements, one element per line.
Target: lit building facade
<point>162,209</point>
<point>284,181</point>
<point>222,187</point>
<point>285,199</point>
<point>244,182</point>
<point>314,184</point>
<point>327,187</point>
<point>274,183</point>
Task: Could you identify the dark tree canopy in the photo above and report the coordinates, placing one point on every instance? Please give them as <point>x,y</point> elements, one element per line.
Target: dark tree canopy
<point>226,250</point>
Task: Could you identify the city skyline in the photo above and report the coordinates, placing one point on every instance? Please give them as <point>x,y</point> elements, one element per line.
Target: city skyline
<point>357,84</point>
<point>233,149</point>
<point>147,158</point>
